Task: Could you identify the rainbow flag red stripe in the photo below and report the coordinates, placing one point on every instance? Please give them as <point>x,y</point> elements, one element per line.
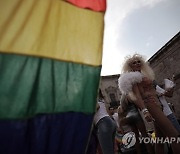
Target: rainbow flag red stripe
<point>96,5</point>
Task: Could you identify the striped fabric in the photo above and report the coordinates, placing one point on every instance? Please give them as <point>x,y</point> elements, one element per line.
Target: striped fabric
<point>50,63</point>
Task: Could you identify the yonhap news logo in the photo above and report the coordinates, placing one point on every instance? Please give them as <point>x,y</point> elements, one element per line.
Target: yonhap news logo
<point>129,140</point>
<point>159,140</point>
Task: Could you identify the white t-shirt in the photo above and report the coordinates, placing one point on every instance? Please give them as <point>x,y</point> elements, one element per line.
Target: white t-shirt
<point>101,112</point>
<point>166,109</point>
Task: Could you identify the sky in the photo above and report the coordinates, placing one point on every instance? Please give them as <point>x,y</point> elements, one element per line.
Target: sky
<point>137,26</point>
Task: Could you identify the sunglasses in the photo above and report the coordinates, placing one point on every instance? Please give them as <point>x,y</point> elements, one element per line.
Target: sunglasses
<point>136,62</point>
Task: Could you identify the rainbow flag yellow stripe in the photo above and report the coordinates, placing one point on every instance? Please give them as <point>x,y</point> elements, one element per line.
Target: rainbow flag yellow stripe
<point>52,29</point>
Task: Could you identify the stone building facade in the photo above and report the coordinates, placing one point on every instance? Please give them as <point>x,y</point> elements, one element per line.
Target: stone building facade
<point>164,62</point>
<point>109,88</point>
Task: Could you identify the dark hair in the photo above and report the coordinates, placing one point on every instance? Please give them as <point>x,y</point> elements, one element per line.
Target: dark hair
<point>154,84</point>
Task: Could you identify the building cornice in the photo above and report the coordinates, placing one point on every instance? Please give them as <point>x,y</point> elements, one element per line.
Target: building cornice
<point>165,47</point>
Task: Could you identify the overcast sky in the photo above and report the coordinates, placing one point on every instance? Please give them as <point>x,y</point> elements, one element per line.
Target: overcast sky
<point>141,26</point>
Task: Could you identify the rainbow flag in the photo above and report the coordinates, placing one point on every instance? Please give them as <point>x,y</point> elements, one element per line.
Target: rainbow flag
<point>50,63</point>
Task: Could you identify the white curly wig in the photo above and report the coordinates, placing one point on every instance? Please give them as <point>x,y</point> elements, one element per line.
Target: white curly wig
<point>145,68</point>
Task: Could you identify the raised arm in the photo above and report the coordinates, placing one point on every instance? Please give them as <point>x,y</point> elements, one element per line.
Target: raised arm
<point>138,99</point>
<point>140,103</point>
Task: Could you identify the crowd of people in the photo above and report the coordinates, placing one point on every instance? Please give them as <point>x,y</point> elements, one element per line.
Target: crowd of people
<point>142,101</point>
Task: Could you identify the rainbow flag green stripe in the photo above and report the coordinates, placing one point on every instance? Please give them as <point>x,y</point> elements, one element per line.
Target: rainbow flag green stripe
<point>38,85</point>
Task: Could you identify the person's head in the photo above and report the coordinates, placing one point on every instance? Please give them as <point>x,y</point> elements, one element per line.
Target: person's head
<point>137,62</point>
<point>120,110</point>
<point>111,110</point>
<point>133,63</point>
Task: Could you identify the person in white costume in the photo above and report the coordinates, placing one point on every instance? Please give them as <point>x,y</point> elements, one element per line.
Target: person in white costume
<point>162,93</point>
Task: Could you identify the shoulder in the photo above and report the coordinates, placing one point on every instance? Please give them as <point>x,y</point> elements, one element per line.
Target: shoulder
<point>131,77</point>
<point>126,80</point>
